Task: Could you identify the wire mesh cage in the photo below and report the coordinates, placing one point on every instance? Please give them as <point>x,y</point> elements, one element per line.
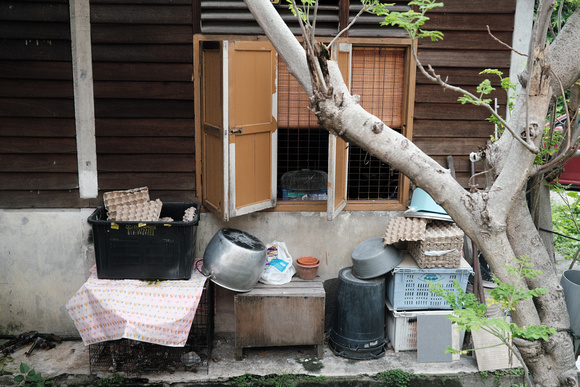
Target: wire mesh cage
<point>136,357</point>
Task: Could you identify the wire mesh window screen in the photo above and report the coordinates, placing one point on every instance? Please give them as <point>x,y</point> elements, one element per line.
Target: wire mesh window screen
<point>378,76</point>
<point>293,102</point>
<point>302,144</point>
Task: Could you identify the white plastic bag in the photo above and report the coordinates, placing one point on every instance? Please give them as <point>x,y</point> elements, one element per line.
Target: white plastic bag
<point>279,269</point>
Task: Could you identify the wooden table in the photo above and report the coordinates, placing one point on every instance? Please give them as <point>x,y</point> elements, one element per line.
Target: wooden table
<point>280,315</point>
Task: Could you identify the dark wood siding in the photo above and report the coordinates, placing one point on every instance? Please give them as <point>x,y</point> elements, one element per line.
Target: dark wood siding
<point>442,126</point>
<point>38,166</point>
<point>143,87</point>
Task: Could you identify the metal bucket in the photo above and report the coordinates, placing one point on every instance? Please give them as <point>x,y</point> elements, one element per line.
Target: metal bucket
<point>571,283</point>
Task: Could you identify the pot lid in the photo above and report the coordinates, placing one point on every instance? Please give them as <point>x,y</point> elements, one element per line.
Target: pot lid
<point>372,258</point>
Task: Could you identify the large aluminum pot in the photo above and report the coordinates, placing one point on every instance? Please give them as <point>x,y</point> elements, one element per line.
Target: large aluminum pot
<point>234,259</point>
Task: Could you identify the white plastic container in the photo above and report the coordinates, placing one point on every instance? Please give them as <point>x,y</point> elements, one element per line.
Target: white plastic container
<point>401,328</point>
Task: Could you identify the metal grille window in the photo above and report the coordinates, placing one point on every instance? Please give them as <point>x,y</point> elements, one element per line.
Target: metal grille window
<point>378,76</point>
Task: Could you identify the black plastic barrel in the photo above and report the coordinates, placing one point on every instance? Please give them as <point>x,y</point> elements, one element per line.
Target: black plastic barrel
<point>358,330</point>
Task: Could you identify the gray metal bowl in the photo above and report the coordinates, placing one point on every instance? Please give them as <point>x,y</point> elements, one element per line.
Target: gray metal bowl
<point>372,259</point>
<point>234,259</point>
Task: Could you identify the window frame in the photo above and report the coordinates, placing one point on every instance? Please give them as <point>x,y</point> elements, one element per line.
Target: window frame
<point>321,206</point>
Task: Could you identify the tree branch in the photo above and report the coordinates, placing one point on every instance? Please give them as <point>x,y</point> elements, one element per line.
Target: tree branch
<point>437,79</point>
<point>363,9</point>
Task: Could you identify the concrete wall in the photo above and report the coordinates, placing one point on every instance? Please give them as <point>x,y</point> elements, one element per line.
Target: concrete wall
<point>45,257</point>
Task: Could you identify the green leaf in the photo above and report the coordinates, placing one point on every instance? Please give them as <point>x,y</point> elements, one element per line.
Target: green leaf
<point>24,368</point>
<point>19,378</point>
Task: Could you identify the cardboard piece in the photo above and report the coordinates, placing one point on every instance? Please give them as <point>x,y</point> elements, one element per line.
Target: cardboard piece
<point>494,358</point>
<point>434,334</point>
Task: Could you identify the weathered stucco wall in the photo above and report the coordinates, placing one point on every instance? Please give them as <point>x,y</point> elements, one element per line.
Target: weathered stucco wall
<point>45,256</point>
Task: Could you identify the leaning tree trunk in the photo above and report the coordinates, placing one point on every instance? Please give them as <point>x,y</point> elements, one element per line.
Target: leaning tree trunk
<point>497,218</point>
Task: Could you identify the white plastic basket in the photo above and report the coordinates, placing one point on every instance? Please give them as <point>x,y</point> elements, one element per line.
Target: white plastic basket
<point>408,289</point>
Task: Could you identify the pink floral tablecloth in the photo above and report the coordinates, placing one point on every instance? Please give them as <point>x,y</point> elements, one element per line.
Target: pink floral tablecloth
<point>159,312</point>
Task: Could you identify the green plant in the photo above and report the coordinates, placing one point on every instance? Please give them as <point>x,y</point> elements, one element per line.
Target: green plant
<point>469,313</point>
<point>115,379</point>
<point>29,377</point>
<point>249,380</point>
<point>396,377</point>
<point>566,220</point>
<point>484,375</point>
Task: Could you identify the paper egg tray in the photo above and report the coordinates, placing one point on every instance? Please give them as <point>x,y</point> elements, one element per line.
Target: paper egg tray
<point>189,214</point>
<point>114,199</point>
<point>405,229</point>
<point>142,212</point>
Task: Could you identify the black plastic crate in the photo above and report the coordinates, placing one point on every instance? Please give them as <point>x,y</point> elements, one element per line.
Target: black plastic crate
<point>145,250</point>
<point>136,357</point>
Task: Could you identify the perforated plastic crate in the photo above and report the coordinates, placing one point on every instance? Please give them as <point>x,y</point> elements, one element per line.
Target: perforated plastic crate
<point>408,289</point>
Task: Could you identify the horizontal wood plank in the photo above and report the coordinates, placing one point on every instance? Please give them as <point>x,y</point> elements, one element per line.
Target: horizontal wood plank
<point>155,181</point>
<point>145,145</point>
<point>143,90</point>
<point>436,94</point>
<point>39,181</point>
<point>464,76</point>
<point>44,199</point>
<point>449,128</point>
<point>468,40</point>
<point>34,11</point>
<point>141,14</point>
<point>117,108</point>
<point>108,71</point>
<point>451,146</point>
<point>141,33</point>
<point>174,196</point>
<point>21,69</point>
<point>462,164</point>
<point>151,53</point>
<point>144,127</point>
<point>470,22</point>
<point>37,127</point>
<point>36,49</point>
<point>32,145</point>
<point>475,6</point>
<point>147,163</point>
<point>36,107</point>
<point>36,88</point>
<point>57,163</point>
<point>452,111</point>
<point>477,59</point>
<point>34,30</point>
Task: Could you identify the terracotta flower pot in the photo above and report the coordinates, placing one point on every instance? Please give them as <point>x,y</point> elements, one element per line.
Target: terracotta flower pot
<point>307,268</point>
<point>308,261</point>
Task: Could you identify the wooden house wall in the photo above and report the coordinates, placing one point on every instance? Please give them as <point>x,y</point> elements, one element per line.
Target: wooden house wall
<point>38,166</point>
<point>143,88</point>
<point>442,126</point>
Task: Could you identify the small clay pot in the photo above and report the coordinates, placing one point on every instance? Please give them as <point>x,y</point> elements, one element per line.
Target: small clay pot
<point>307,271</point>
<point>308,261</point>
